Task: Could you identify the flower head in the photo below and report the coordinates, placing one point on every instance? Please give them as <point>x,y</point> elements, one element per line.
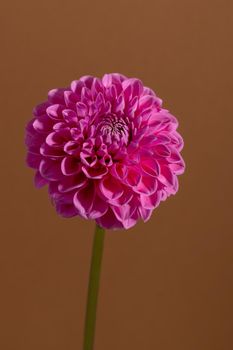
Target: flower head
<point>106,148</point>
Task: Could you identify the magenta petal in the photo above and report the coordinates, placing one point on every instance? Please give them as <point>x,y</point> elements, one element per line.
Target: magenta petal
<point>99,208</point>
<point>70,166</point>
<point>123,212</point>
<point>41,109</point>
<point>88,203</point>
<point>120,104</point>
<point>146,102</point>
<point>126,214</point>
<point>107,80</point>
<point>39,180</point>
<point>147,185</point>
<point>64,204</point>
<point>81,109</point>
<point>57,138</point>
<point>94,173</point>
<point>123,199</point>
<point>66,210</point>
<point>119,170</point>
<point>131,221</point>
<point>109,221</point>
<point>145,213</point>
<point>150,166</point>
<point>70,99</point>
<point>51,152</point>
<point>162,151</point>
<point>70,183</point>
<point>55,112</point>
<point>43,124</point>
<point>137,87</point>
<point>83,199</point>
<point>127,88</point>
<point>76,87</point>
<point>69,116</point>
<point>51,169</point>
<point>87,80</point>
<point>175,157</point>
<point>33,160</point>
<point>56,96</point>
<point>151,201</point>
<point>177,168</point>
<point>133,176</point>
<point>110,188</point>
<point>166,177</point>
<point>72,148</point>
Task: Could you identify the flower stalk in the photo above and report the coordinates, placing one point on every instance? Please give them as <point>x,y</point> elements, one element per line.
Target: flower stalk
<point>93,288</point>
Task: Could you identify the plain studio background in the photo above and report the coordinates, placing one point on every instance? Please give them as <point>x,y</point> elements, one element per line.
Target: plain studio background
<point>166,284</point>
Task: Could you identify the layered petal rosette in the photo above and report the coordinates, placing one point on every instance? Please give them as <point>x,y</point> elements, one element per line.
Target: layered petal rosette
<point>107,150</point>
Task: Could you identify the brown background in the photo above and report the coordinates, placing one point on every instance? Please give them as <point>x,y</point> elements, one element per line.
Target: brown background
<point>166,284</point>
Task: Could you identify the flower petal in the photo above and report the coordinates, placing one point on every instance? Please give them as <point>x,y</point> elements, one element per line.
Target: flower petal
<point>110,188</point>
<point>39,181</point>
<point>70,183</point>
<point>51,169</point>
<point>151,201</point>
<point>95,173</point>
<point>70,166</point>
<point>109,221</point>
<point>147,185</point>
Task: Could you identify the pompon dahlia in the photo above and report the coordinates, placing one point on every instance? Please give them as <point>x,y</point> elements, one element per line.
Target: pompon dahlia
<point>107,150</point>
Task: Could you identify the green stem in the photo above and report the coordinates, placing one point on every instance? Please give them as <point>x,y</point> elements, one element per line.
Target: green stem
<point>94,278</point>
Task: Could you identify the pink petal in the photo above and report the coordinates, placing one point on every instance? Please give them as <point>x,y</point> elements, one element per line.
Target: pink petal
<point>177,168</point>
<point>109,221</point>
<point>145,213</point>
<point>95,173</point>
<point>147,185</point>
<point>119,170</point>
<point>39,181</point>
<point>70,99</point>
<point>87,80</point>
<point>133,176</point>
<point>99,208</point>
<point>66,210</point>
<point>150,166</point>
<point>70,166</point>
<point>151,201</point>
<point>110,188</point>
<point>55,112</point>
<point>72,148</point>
<point>51,169</point>
<point>56,96</point>
<point>76,87</point>
<point>146,102</point>
<point>162,150</point>
<point>70,183</point>
<point>41,109</point>
<point>43,124</point>
<point>88,204</point>
<point>166,177</point>
<point>83,199</point>
<point>82,109</point>
<point>127,214</point>
<point>69,116</point>
<point>51,152</point>
<point>107,80</point>
<point>33,160</point>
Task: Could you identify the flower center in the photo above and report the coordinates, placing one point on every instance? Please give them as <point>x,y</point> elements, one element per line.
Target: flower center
<point>114,128</point>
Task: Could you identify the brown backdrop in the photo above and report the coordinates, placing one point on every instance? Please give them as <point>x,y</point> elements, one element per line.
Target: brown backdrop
<point>166,284</point>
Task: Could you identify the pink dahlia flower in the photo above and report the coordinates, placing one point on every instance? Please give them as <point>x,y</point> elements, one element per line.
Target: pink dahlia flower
<point>107,150</point>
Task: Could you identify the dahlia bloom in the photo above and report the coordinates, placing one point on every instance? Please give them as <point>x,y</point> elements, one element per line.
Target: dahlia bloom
<point>107,150</point>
